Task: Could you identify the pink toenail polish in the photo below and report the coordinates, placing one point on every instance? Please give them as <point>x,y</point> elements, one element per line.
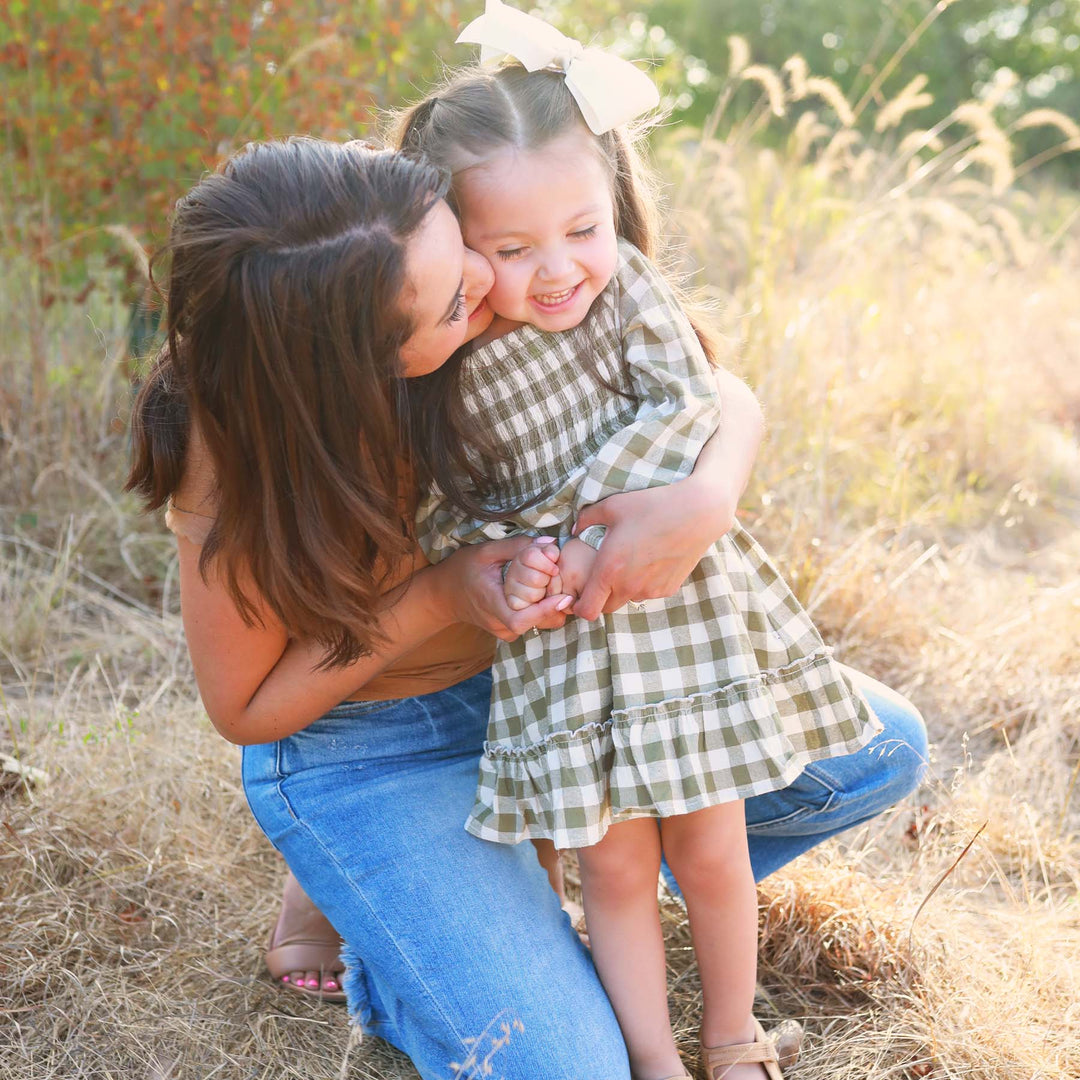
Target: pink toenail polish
<point>313,983</point>
<point>331,984</point>
<point>284,978</point>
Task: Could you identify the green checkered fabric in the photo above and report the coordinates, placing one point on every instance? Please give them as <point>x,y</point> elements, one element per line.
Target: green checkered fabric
<point>720,692</point>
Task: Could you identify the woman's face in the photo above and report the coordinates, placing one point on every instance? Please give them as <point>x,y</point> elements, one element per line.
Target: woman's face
<point>444,293</point>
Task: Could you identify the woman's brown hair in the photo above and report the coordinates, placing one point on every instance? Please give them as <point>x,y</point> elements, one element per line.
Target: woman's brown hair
<point>284,327</point>
<point>476,114</point>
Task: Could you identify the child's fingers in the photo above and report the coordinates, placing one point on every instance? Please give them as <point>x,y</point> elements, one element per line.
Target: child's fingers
<point>518,601</point>
<point>529,574</point>
<point>548,614</point>
<point>521,593</point>
<point>537,556</point>
<point>524,577</point>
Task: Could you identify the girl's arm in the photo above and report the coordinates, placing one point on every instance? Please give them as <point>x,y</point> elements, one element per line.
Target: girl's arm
<point>258,686</point>
<point>658,535</point>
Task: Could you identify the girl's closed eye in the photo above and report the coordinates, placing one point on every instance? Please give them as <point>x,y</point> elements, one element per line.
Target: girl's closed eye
<point>507,254</point>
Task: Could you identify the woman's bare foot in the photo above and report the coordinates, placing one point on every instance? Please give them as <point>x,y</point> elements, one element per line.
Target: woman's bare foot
<point>304,949</point>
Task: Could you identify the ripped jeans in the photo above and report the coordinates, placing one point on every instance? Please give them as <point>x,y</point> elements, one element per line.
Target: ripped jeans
<point>457,950</point>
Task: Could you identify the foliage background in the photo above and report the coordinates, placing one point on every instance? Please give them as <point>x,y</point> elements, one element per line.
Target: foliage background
<point>112,109</point>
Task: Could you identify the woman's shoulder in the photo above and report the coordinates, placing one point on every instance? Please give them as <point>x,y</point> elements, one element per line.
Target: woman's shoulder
<point>192,509</point>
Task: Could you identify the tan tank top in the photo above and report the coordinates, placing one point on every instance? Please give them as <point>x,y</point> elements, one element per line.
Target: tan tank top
<point>448,657</point>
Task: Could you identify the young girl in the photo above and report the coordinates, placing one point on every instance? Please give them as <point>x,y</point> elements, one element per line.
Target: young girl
<point>643,731</point>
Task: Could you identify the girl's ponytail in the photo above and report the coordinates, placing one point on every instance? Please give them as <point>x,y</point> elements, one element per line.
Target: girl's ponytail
<point>412,130</point>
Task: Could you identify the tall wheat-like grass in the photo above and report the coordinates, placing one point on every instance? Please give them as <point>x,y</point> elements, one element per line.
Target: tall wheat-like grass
<point>905,312</point>
<point>908,316</point>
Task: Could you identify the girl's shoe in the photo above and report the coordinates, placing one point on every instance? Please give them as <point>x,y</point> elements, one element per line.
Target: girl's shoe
<point>717,1060</point>
<point>787,1037</point>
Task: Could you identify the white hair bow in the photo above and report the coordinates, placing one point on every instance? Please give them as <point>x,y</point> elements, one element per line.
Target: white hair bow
<point>609,90</point>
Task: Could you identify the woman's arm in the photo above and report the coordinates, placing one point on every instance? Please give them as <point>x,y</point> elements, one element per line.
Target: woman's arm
<point>657,536</point>
<point>258,686</point>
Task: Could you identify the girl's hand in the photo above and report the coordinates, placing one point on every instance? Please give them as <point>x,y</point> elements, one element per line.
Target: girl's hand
<point>532,574</point>
<point>575,565</point>
<point>471,586</point>
<point>657,536</point>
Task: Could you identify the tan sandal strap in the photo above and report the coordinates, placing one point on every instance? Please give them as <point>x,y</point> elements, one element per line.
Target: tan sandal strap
<point>738,1053</point>
<point>303,956</point>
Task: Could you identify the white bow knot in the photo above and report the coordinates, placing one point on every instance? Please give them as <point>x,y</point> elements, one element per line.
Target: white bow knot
<point>608,90</point>
<point>575,50</point>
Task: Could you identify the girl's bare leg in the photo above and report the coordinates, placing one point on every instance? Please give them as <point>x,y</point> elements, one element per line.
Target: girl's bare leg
<point>707,852</point>
<point>618,883</point>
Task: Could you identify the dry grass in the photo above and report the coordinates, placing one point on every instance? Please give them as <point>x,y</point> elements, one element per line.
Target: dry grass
<point>908,316</point>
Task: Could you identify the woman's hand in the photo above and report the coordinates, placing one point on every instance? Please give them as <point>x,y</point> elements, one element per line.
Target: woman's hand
<point>654,539</point>
<point>657,536</point>
<point>472,588</point>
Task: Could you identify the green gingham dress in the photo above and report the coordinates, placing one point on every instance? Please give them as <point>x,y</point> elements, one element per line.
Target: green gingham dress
<point>722,691</point>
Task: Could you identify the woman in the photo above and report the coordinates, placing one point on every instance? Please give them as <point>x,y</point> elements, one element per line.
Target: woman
<point>307,279</point>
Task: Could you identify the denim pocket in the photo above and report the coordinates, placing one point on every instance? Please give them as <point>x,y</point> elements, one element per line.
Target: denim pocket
<point>810,793</point>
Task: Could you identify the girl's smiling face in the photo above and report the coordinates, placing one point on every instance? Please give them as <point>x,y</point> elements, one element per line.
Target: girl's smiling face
<point>545,221</point>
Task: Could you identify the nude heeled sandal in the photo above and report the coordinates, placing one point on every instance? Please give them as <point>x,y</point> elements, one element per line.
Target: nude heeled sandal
<point>717,1060</point>
<point>303,940</point>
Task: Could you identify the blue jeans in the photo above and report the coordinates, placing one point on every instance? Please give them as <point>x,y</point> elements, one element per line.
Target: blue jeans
<point>457,950</point>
